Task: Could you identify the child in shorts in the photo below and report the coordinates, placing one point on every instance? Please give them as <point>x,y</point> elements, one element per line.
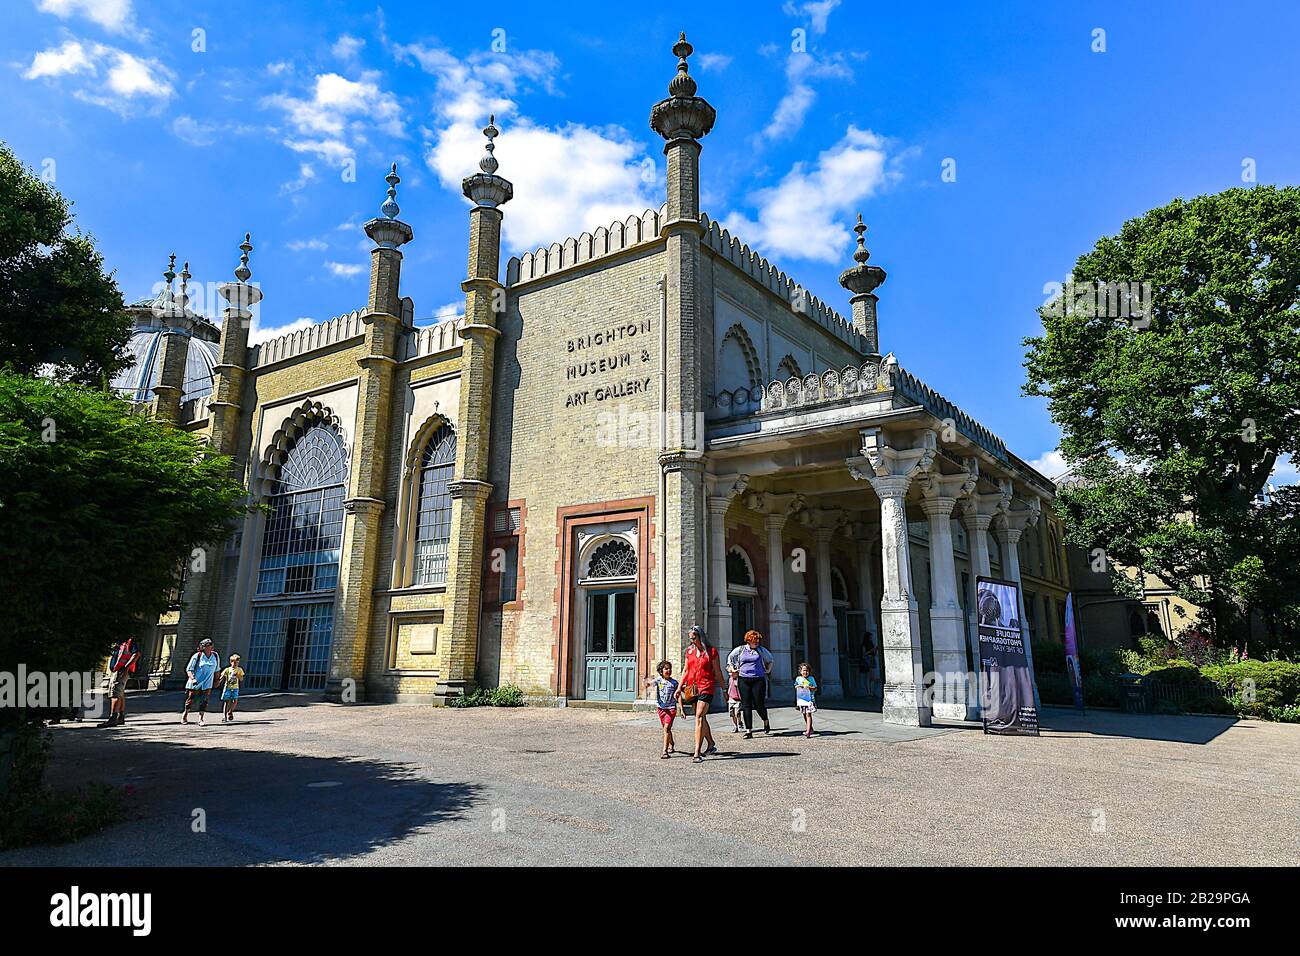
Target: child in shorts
<point>230,679</point>
<point>666,700</point>
<point>805,696</point>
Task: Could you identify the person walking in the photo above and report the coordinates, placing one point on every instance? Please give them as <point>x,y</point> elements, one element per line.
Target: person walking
<point>201,670</point>
<point>666,700</point>
<point>700,679</point>
<point>751,662</point>
<point>805,696</point>
<point>121,666</point>
<point>230,679</point>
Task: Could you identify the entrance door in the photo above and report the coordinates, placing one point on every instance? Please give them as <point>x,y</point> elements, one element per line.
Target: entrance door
<point>853,665</point>
<point>611,645</point>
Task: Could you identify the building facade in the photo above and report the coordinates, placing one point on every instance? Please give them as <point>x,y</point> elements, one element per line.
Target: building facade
<point>630,431</point>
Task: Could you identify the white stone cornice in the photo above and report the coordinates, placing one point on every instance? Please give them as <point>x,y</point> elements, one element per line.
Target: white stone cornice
<point>886,460</point>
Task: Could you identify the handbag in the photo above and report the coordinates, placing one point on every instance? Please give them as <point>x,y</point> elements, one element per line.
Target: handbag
<point>689,693</point>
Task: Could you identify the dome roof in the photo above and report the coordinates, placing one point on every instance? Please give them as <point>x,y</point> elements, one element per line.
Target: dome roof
<point>155,318</point>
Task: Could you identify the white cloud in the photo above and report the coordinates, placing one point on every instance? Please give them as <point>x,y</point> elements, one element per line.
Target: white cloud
<point>347,47</point>
<point>337,115</point>
<point>345,270</point>
<point>1050,464</point>
<point>800,70</point>
<point>116,80</point>
<point>299,245</point>
<point>258,334</point>
<point>70,58</point>
<point>116,16</point>
<point>816,12</point>
<point>567,178</point>
<point>713,61</point>
<point>808,214</point>
<point>193,131</point>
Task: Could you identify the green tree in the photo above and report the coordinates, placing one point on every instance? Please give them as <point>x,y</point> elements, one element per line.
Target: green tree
<point>101,508</point>
<point>1175,416</point>
<point>59,311</point>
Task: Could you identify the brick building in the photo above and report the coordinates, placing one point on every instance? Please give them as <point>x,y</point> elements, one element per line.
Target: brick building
<point>630,431</point>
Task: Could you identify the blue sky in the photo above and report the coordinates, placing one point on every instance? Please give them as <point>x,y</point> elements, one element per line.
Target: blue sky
<point>281,119</point>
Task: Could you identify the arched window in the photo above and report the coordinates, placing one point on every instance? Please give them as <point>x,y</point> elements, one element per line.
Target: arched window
<point>300,549</point>
<point>738,365</point>
<point>788,368</point>
<point>613,559</point>
<point>293,618</point>
<point>433,513</point>
<point>839,588</point>
<point>738,572</point>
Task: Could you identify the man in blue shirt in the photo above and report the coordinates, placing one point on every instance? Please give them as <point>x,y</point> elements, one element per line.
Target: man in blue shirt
<point>201,670</point>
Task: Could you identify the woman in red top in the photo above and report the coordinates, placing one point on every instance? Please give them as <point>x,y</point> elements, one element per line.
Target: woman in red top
<point>705,673</point>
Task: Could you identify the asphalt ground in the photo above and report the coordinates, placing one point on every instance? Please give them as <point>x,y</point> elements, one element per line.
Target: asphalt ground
<point>299,781</point>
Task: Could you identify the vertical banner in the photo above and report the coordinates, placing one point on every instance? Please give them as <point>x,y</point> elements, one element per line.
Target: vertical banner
<point>1006,681</point>
<point>1072,666</point>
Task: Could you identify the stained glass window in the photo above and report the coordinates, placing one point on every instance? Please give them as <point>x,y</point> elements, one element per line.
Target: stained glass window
<point>433,513</point>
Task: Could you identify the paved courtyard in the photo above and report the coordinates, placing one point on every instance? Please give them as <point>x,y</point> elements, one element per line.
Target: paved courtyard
<point>296,780</point>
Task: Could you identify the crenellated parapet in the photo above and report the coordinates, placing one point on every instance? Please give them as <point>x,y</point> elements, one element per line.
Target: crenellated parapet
<point>770,277</point>
<point>577,250</point>
<point>433,339</point>
<point>319,336</point>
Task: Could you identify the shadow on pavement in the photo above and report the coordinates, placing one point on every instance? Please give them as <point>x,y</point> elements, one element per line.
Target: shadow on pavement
<point>1177,728</point>
<point>248,807</point>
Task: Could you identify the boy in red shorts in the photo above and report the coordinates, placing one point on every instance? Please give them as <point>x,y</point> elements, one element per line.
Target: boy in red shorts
<point>666,699</point>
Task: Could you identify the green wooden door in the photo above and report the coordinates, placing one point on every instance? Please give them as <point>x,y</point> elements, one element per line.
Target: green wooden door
<point>611,645</point>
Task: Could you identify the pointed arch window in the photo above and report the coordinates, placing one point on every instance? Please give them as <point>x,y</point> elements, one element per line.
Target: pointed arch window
<point>433,512</point>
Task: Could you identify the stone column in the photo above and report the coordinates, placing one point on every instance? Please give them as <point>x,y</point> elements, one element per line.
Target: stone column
<point>721,493</point>
<point>976,518</point>
<point>469,488</point>
<point>1009,527</point>
<point>364,506</point>
<point>828,638</point>
<point>947,629</point>
<point>778,619</point>
<point>890,471</point>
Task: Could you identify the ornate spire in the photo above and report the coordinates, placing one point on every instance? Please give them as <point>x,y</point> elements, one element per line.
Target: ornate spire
<point>486,188</point>
<point>682,84</point>
<point>170,272</point>
<point>390,209</point>
<point>862,280</point>
<point>185,287</point>
<point>683,115</point>
<point>489,162</point>
<point>243,273</point>
<point>861,254</point>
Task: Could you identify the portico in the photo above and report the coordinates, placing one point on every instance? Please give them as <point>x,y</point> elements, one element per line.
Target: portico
<point>865,475</point>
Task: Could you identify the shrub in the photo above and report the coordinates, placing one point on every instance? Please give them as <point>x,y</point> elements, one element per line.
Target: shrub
<point>1276,684</point>
<point>51,816</point>
<point>507,695</point>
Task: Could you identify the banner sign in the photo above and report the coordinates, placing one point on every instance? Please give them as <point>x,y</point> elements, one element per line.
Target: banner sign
<point>1006,680</point>
<point>1072,665</point>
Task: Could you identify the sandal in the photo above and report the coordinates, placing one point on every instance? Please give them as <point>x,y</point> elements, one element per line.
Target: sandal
<point>749,735</point>
<point>697,759</point>
<point>664,755</point>
<point>713,748</point>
